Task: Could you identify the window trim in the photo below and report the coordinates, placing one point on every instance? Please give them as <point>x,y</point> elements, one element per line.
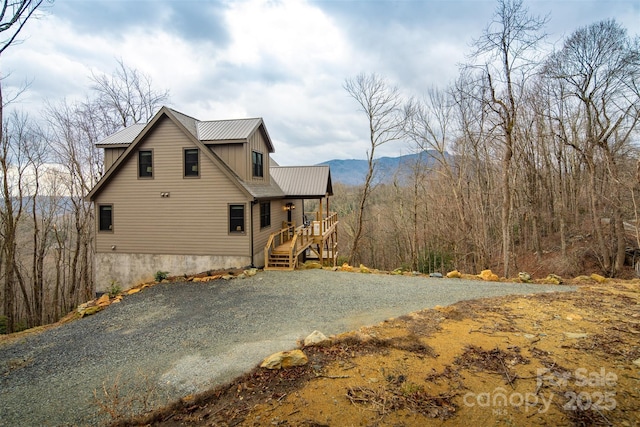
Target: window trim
<point>265,215</point>
<point>244,218</point>
<point>255,164</point>
<point>100,229</point>
<point>184,163</point>
<point>139,171</point>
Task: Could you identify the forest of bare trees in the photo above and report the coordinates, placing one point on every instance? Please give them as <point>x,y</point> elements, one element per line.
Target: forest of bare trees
<point>536,155</point>
<point>536,167</point>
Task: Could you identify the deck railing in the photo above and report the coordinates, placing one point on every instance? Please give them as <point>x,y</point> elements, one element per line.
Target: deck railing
<point>300,238</point>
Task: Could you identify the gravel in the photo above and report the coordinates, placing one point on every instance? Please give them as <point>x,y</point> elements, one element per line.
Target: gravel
<point>176,339</point>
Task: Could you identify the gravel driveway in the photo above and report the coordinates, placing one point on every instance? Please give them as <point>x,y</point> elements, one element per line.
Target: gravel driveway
<point>181,338</point>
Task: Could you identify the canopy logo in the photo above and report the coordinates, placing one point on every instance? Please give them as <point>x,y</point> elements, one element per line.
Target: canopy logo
<point>594,393</point>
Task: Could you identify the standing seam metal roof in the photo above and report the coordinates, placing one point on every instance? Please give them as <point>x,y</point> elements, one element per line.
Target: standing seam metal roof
<point>225,130</point>
<point>305,181</point>
<point>124,136</point>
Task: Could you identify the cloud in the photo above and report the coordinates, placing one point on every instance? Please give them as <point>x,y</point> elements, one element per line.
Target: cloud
<point>284,60</point>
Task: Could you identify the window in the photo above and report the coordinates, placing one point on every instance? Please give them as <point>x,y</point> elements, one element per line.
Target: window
<point>105,220</point>
<point>265,214</point>
<point>257,164</point>
<point>145,164</point>
<point>191,162</point>
<point>236,218</point>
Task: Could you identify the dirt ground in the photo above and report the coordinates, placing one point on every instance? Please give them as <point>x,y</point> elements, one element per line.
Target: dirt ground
<point>569,358</point>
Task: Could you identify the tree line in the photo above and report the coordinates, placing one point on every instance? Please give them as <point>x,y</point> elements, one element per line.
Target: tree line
<point>47,167</point>
<point>536,152</point>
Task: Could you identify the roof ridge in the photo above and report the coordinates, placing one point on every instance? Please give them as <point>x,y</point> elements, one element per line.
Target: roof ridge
<point>230,120</point>
<point>182,114</point>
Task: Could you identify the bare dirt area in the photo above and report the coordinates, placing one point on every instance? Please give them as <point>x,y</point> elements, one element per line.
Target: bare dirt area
<point>570,358</point>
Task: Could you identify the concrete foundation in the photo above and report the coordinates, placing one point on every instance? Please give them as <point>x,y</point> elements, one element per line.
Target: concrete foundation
<point>127,270</point>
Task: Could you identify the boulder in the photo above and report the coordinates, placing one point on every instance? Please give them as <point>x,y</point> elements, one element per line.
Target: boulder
<point>251,272</point>
<point>103,301</point>
<point>524,277</point>
<point>316,338</point>
<point>364,269</point>
<point>552,279</point>
<point>285,359</point>
<point>436,275</point>
<point>489,276</point>
<point>598,278</point>
<point>455,274</point>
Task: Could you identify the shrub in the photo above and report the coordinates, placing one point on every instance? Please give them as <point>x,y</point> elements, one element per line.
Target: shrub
<point>161,275</point>
<point>114,289</point>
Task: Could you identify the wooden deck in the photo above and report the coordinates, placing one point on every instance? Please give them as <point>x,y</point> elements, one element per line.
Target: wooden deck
<point>318,240</point>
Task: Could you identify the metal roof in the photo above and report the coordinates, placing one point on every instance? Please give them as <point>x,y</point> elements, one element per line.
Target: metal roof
<point>124,136</point>
<point>213,130</point>
<point>227,130</point>
<point>262,191</point>
<point>188,122</point>
<point>303,181</point>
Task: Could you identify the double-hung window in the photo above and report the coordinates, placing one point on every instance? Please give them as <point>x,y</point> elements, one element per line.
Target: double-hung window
<point>236,218</point>
<point>191,162</point>
<point>105,217</point>
<point>265,214</point>
<point>145,164</point>
<point>258,168</point>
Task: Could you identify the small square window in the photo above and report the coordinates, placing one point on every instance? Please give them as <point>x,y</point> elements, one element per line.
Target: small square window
<point>258,169</point>
<point>105,220</point>
<point>265,214</point>
<point>236,218</point>
<point>145,164</point>
<point>191,162</point>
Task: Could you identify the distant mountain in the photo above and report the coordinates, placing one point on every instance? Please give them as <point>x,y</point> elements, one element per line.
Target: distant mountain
<point>353,171</point>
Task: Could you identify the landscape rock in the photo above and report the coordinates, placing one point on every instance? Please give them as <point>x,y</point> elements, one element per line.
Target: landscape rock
<point>489,276</point>
<point>455,274</point>
<point>637,362</point>
<point>285,359</point>
<point>436,275</point>
<point>316,338</point>
<point>552,279</point>
<point>227,277</point>
<point>251,272</point>
<point>364,269</point>
<point>572,317</point>
<point>524,277</point>
<point>103,301</point>
<point>90,310</point>
<point>598,278</point>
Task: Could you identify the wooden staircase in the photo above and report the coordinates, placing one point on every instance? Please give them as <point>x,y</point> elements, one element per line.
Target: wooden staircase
<point>284,248</point>
<point>280,261</point>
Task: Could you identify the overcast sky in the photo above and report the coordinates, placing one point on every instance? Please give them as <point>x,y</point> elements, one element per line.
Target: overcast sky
<point>283,60</point>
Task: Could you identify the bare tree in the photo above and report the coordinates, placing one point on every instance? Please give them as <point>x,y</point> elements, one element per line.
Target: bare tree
<point>600,67</point>
<point>507,46</point>
<point>13,17</point>
<point>125,97</point>
<point>381,104</point>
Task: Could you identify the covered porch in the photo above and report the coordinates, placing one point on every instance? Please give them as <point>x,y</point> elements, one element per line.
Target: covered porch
<point>316,239</point>
<point>317,236</point>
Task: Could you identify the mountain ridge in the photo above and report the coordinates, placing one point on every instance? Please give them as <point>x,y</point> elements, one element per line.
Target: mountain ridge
<point>354,171</point>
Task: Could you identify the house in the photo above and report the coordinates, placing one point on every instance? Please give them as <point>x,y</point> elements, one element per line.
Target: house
<point>187,196</point>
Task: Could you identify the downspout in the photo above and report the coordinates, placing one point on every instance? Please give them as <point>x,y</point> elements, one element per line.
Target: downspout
<point>253,203</point>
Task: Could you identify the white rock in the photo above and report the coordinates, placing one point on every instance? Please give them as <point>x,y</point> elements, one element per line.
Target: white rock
<point>316,338</point>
